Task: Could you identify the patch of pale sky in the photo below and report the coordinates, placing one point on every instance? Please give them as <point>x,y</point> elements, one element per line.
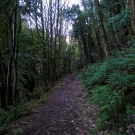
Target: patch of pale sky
<point>71,2</point>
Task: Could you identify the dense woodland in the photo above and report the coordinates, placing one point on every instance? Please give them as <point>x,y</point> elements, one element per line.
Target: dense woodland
<point>35,53</point>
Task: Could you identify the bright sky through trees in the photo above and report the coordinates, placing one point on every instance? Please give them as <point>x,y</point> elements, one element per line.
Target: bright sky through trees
<point>71,2</point>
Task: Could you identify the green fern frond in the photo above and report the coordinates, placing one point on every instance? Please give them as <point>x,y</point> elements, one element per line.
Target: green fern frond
<point>111,86</point>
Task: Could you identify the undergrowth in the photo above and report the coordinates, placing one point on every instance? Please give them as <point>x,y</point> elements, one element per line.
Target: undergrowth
<point>111,86</point>
<point>10,114</point>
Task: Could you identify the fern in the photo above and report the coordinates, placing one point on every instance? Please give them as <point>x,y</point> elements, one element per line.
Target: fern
<point>111,85</point>
<point>13,112</point>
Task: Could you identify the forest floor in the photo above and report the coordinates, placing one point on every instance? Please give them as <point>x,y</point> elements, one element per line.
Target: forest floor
<point>64,113</point>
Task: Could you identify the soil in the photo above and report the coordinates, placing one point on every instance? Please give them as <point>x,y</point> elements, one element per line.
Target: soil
<point>64,113</point>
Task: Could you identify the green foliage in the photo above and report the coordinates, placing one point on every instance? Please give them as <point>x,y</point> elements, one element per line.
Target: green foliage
<point>131,40</point>
<point>110,85</point>
<point>12,113</point>
<point>37,93</point>
<point>120,19</point>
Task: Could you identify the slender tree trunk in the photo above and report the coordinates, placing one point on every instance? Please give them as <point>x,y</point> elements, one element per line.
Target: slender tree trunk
<point>85,45</point>
<point>99,48</point>
<point>9,82</point>
<point>81,54</point>
<point>111,28</point>
<point>103,35</point>
<point>44,49</point>
<point>3,72</point>
<point>52,22</point>
<point>133,14</point>
<point>15,35</point>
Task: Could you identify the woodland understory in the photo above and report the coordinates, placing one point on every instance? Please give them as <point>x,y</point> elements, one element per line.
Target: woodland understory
<point>38,48</point>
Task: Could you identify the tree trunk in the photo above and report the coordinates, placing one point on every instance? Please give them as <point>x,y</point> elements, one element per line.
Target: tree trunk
<point>85,46</point>
<point>44,48</point>
<point>133,14</point>
<point>99,48</point>
<point>3,72</point>
<point>101,29</point>
<point>15,35</point>
<point>8,85</point>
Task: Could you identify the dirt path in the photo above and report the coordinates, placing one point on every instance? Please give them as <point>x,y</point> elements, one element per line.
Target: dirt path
<point>64,113</point>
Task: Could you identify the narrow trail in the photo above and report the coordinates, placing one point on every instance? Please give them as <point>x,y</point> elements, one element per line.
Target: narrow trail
<point>64,113</point>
